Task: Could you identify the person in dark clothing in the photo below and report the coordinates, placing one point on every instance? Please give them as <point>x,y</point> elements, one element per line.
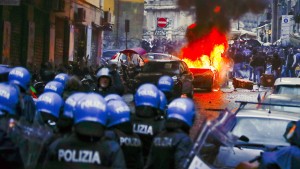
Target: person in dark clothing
<point>22,78</point>
<point>86,147</point>
<point>259,63</point>
<point>166,85</point>
<point>49,108</point>
<point>54,86</point>
<point>120,129</point>
<point>109,82</point>
<point>284,158</point>
<point>147,121</point>
<point>238,59</point>
<point>289,72</point>
<point>47,73</point>
<point>171,147</point>
<point>62,78</point>
<point>10,156</point>
<point>163,104</point>
<point>296,62</point>
<point>276,65</point>
<point>66,118</point>
<point>64,123</point>
<point>73,85</point>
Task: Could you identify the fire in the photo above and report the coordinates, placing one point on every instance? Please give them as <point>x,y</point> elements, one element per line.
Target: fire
<point>214,60</point>
<point>206,51</point>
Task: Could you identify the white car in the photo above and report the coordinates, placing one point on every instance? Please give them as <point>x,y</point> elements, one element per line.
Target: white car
<point>287,85</point>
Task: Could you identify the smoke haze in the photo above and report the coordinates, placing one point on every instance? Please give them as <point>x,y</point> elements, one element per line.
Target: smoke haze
<point>218,13</point>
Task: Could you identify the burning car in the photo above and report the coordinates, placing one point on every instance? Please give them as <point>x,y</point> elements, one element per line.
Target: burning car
<point>205,78</point>
<point>205,59</point>
<point>171,66</point>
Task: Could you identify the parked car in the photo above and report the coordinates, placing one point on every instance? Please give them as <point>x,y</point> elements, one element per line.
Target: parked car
<point>173,67</point>
<point>205,78</point>
<point>128,56</point>
<point>240,136</point>
<point>286,99</point>
<point>287,85</point>
<point>110,53</point>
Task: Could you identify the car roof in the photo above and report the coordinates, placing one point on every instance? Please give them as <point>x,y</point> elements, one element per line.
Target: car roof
<point>163,60</point>
<point>167,56</point>
<point>287,81</point>
<point>260,113</point>
<point>283,98</point>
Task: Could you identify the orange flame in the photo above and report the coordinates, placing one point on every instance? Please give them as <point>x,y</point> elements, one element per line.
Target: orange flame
<point>206,51</point>
<point>214,60</point>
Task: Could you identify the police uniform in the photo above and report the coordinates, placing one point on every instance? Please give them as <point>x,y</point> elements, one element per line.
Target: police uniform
<point>147,129</point>
<point>131,146</point>
<point>171,147</point>
<point>10,157</point>
<point>284,158</point>
<point>169,150</point>
<point>74,152</point>
<point>147,122</point>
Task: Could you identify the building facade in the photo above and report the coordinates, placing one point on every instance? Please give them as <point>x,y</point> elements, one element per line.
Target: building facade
<point>120,11</point>
<point>163,19</point>
<point>58,31</point>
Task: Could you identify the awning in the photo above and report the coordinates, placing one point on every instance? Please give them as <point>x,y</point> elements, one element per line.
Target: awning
<point>139,51</point>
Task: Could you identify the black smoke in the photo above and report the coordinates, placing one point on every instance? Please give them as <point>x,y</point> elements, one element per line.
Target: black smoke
<point>218,13</point>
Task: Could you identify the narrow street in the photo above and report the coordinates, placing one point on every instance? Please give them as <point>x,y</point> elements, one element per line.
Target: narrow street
<point>224,98</point>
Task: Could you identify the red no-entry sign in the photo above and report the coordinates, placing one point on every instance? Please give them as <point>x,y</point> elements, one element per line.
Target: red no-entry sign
<point>162,22</point>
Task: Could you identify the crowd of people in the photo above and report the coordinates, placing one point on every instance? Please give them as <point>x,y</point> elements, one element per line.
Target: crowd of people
<point>250,62</point>
<point>68,127</point>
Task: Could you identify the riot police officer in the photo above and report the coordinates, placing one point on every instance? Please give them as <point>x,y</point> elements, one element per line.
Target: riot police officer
<point>120,130</point>
<point>283,158</point>
<point>147,121</point>
<point>108,82</point>
<point>54,86</point>
<point>87,146</point>
<point>62,78</point>
<point>112,97</point>
<point>21,78</point>
<point>166,85</point>
<point>10,157</point>
<point>66,118</point>
<point>163,104</point>
<point>49,107</point>
<point>171,147</point>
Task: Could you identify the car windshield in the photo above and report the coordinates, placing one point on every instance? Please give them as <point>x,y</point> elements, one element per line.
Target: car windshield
<point>162,67</point>
<point>261,130</point>
<point>288,89</point>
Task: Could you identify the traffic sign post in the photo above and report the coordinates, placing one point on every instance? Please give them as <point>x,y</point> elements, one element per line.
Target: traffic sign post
<point>162,22</point>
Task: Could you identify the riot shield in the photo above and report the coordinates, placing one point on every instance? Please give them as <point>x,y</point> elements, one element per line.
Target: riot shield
<point>30,138</point>
<point>212,135</point>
